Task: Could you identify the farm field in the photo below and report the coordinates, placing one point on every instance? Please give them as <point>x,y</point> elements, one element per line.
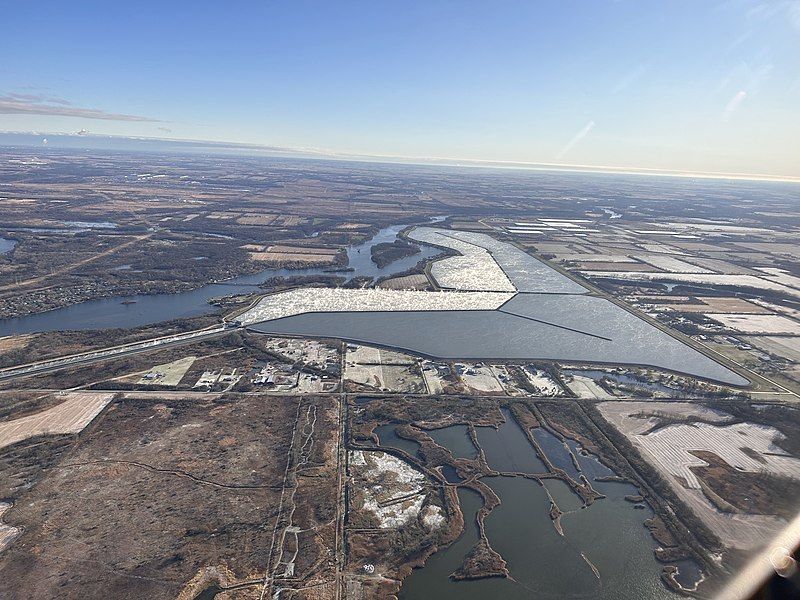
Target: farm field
<point>768,324</point>
<point>70,416</point>
<point>407,282</point>
<point>675,450</point>
<point>787,347</point>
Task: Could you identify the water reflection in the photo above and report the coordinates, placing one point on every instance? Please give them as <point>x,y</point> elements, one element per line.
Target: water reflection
<point>507,448</point>
<point>456,439</point>
<point>542,563</point>
<point>6,245</point>
<point>558,454</point>
<point>387,436</point>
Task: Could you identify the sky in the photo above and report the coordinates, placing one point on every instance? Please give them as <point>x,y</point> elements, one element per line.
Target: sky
<point>700,85</point>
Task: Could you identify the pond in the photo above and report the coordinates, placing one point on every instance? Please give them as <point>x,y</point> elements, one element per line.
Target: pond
<point>508,449</point>
<point>433,580</point>
<point>542,563</point>
<point>556,450</point>
<point>456,439</point>
<point>387,435</point>
<point>6,245</point>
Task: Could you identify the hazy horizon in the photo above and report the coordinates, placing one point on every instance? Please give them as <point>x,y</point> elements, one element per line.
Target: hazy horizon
<point>673,88</point>
<point>72,141</point>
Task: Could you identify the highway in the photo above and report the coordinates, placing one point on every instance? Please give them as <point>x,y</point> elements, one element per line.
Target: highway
<point>61,362</point>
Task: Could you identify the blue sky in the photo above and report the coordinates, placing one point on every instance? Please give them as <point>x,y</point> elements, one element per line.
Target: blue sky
<point>673,85</point>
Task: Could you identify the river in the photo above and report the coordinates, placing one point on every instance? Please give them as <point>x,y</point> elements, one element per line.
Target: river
<point>139,310</point>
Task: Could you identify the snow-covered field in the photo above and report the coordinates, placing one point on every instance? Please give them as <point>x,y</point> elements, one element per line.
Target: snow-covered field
<point>671,447</point>
<point>669,450</point>
<point>586,387</point>
<point>757,323</point>
<point>712,228</point>
<point>788,347</point>
<point>542,381</point>
<point>369,355</point>
<point>670,264</point>
<point>617,258</point>
<point>480,379</point>
<point>747,281</point>
<point>660,249</point>
<point>394,491</point>
<point>780,276</point>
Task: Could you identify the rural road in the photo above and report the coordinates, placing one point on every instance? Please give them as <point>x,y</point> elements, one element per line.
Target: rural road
<point>112,352</point>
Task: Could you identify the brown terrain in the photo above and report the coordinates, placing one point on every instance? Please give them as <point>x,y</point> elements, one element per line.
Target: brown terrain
<point>732,490</point>
<point>157,491</point>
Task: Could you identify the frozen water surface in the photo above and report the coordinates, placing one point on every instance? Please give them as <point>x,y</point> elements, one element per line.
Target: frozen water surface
<point>548,317</point>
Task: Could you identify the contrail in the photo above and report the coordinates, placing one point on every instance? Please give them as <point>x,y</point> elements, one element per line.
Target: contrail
<point>733,105</point>
<point>578,137</point>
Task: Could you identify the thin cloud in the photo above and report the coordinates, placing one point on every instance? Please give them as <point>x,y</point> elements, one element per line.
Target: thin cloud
<point>747,78</point>
<point>630,78</point>
<point>740,40</point>
<point>41,98</point>
<point>766,10</point>
<point>577,138</point>
<point>794,14</point>
<point>31,104</point>
<point>733,104</point>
